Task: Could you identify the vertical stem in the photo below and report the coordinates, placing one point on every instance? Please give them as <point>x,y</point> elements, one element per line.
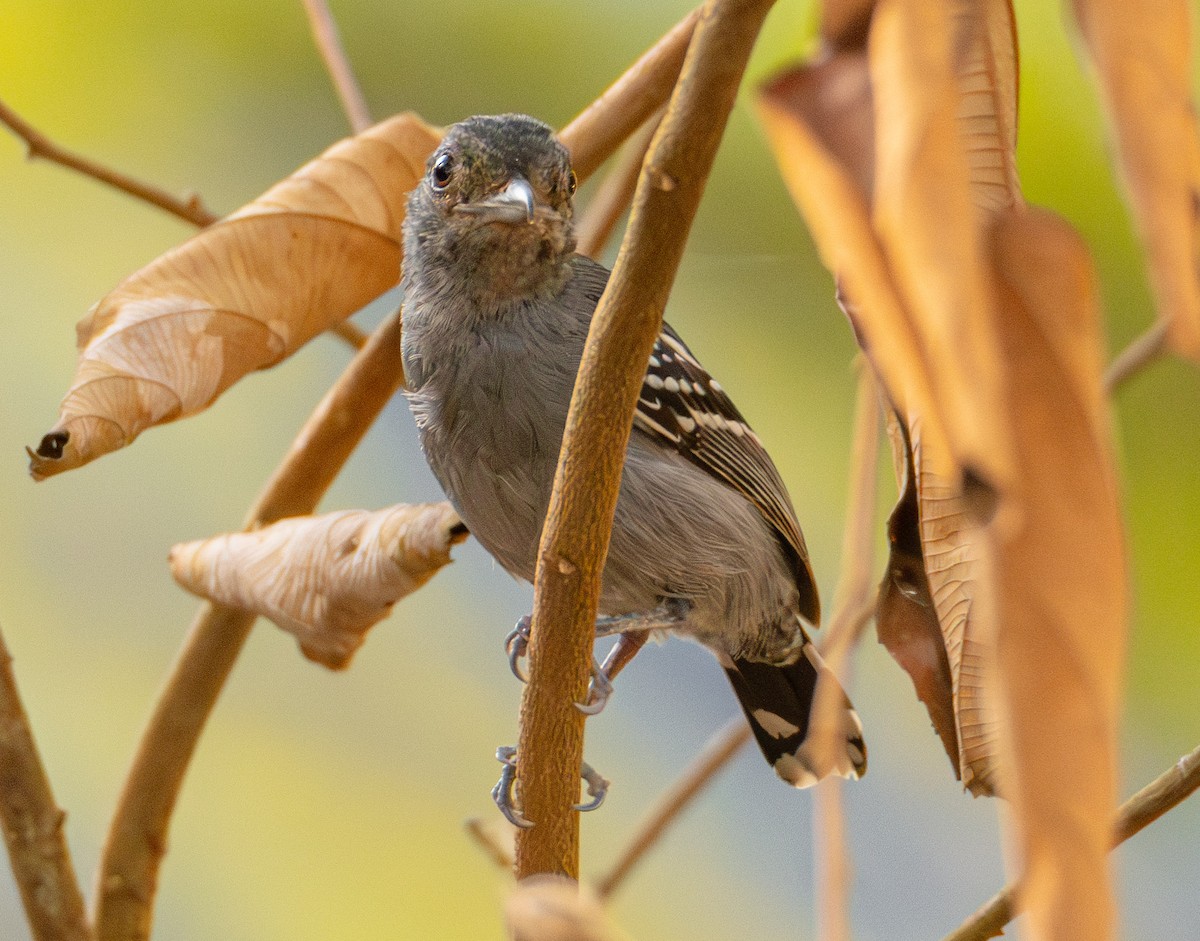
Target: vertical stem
<point>579,523</point>
<point>33,825</point>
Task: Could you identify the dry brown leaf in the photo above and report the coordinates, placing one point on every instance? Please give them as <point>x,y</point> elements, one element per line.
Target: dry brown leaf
<point>805,136</point>
<point>1060,582</point>
<point>241,295</point>
<point>1142,57</point>
<point>926,219</point>
<point>844,23</point>
<point>986,67</point>
<point>906,620</point>
<point>555,908</point>
<point>326,579</point>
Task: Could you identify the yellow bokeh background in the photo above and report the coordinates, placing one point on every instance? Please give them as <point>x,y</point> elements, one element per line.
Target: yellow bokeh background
<point>326,806</point>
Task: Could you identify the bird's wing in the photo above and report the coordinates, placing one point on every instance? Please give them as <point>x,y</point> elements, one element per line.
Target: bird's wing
<point>683,407</point>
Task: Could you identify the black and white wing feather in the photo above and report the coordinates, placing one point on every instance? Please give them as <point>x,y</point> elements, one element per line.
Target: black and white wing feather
<point>683,407</point>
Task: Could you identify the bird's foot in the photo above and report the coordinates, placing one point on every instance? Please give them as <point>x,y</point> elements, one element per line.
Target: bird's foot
<point>516,644</point>
<point>502,793</point>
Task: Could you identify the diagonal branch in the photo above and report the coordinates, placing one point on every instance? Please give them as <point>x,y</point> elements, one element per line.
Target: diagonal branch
<point>329,44</point>
<point>1140,353</point>
<point>1169,789</point>
<point>579,523</point>
<point>137,838</point>
<point>190,210</point>
<point>716,754</point>
<point>33,825</point>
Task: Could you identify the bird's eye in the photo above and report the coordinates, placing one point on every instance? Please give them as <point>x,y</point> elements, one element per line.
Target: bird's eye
<point>442,169</point>
<point>572,183</point>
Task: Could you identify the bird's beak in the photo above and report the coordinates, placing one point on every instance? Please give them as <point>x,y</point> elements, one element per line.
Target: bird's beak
<point>513,204</point>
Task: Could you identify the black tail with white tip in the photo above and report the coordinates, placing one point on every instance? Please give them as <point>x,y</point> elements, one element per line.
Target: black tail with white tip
<point>778,702</point>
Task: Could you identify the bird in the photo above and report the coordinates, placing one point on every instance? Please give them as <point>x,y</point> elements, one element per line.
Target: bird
<point>705,541</point>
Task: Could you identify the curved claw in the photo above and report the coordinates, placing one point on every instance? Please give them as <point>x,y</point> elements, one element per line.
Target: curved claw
<point>597,788</point>
<point>599,690</point>
<point>502,793</point>
<point>516,644</point>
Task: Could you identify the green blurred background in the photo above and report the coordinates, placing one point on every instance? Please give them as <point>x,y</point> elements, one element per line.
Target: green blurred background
<point>330,806</point>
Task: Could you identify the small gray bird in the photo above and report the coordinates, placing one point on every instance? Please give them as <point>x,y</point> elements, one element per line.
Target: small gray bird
<point>705,542</point>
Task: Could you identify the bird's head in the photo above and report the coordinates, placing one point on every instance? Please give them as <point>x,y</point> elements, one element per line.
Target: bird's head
<point>492,216</point>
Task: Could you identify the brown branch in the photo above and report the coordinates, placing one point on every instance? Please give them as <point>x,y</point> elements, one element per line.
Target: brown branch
<point>613,195</point>
<point>329,44</point>
<point>579,523</point>
<point>486,841</point>
<point>1168,790</point>
<point>354,335</point>
<point>38,145</point>
<point>854,604</point>
<point>716,754</point>
<point>629,102</point>
<point>1144,349</point>
<point>33,825</point>
<point>137,838</point>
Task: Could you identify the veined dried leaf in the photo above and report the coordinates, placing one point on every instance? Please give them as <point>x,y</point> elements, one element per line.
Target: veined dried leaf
<point>1060,583</point>
<point>953,556</point>
<point>555,908</point>
<point>327,579</point>
<point>986,66</point>
<point>1142,57</point>
<point>906,620</point>
<point>241,295</point>
<point>930,228</point>
<point>809,152</point>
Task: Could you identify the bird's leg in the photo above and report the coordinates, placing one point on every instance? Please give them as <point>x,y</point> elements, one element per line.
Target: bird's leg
<point>632,631</point>
<point>502,793</point>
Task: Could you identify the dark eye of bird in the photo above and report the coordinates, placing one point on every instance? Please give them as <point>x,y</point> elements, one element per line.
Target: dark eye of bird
<point>572,183</point>
<point>441,172</point>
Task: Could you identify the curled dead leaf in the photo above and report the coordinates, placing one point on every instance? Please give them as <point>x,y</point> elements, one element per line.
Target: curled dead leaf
<point>241,295</point>
<point>326,579</point>
<point>555,908</point>
<point>1142,57</point>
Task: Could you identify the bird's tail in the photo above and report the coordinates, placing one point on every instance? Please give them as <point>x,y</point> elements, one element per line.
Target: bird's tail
<point>778,702</point>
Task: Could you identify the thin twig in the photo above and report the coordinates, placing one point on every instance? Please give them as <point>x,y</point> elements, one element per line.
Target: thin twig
<point>1168,790</point>
<point>33,825</point>
<point>629,102</point>
<point>716,754</point>
<point>191,209</point>
<point>354,335</point>
<point>329,43</point>
<point>486,840</point>
<point>1144,349</point>
<point>137,837</point>
<point>626,324</point>
<point>613,195</point>
<point>854,604</point>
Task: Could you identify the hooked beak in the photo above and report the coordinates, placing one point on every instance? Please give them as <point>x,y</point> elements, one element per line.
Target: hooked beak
<point>513,204</point>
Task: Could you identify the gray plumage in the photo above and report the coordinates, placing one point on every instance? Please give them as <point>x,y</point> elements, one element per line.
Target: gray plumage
<point>497,308</point>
